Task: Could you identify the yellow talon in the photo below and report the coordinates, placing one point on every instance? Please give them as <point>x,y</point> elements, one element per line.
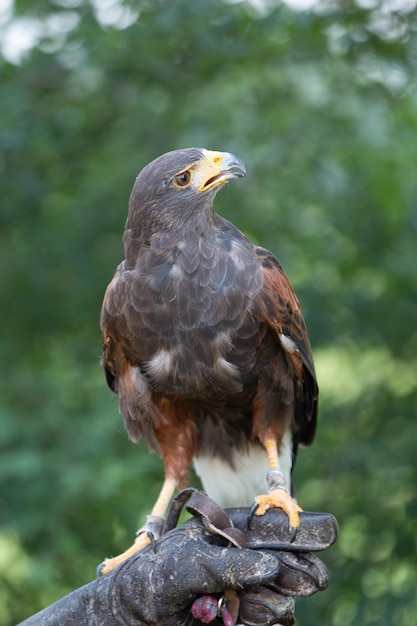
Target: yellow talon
<point>279,498</point>
<point>141,542</point>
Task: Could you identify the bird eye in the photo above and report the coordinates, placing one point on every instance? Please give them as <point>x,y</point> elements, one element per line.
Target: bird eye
<point>183,179</point>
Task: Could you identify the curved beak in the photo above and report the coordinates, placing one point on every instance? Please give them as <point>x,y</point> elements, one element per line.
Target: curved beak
<point>218,168</point>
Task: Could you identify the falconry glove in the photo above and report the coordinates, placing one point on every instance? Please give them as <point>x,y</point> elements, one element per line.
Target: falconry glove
<point>199,572</point>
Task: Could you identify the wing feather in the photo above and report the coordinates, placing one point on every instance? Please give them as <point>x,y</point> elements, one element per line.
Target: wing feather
<point>121,363</point>
<point>280,309</point>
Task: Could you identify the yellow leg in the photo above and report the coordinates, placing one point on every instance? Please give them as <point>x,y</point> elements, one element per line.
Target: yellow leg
<point>153,525</point>
<point>270,444</point>
<point>164,498</point>
<point>278,495</point>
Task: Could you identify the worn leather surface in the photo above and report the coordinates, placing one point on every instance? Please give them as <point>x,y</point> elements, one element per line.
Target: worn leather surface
<point>214,553</point>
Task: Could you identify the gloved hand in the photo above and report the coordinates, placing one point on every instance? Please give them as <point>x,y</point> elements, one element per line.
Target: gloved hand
<point>254,573</point>
<point>212,560</point>
<point>300,572</point>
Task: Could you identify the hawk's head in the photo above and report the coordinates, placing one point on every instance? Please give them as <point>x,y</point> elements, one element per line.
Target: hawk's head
<point>174,195</point>
<point>184,180</point>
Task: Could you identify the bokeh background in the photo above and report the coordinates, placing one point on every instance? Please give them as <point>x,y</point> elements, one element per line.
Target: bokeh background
<point>319,99</point>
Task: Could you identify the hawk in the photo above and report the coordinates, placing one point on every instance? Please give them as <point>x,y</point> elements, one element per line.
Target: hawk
<point>205,345</point>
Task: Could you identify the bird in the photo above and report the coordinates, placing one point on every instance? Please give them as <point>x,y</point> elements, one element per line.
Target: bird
<point>205,344</point>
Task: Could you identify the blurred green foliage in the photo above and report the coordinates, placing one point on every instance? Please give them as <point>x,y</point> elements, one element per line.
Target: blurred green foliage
<point>321,104</point>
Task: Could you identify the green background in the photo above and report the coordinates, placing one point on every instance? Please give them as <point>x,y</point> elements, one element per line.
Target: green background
<point>320,102</point>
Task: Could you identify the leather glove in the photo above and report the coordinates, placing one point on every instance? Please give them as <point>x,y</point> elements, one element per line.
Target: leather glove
<point>300,572</point>
<point>205,560</point>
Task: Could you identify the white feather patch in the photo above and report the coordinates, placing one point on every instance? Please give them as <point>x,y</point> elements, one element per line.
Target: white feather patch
<point>288,344</point>
<point>160,364</point>
<point>237,486</point>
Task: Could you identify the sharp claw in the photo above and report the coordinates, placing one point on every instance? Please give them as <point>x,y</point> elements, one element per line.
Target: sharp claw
<point>151,538</point>
<point>293,535</point>
<point>99,569</point>
<point>252,512</point>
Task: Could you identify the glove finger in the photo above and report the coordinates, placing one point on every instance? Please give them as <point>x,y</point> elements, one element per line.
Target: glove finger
<point>301,574</point>
<point>231,568</point>
<point>210,568</point>
<point>262,606</point>
<point>317,531</point>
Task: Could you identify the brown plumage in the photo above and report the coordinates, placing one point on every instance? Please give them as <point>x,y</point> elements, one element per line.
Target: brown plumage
<point>204,341</point>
